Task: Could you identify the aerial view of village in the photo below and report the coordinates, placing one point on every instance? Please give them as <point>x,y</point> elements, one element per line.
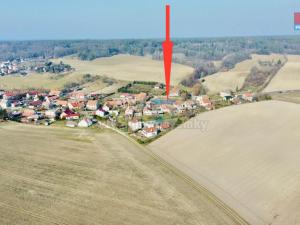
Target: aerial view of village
<point>101,123</point>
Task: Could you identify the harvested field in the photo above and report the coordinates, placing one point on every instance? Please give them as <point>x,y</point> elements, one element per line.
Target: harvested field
<point>248,155</point>
<point>129,68</point>
<point>44,81</point>
<point>235,78</point>
<point>55,175</point>
<point>288,78</point>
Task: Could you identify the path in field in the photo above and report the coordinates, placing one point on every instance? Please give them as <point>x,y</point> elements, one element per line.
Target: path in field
<point>53,175</point>
<point>288,78</point>
<point>247,155</point>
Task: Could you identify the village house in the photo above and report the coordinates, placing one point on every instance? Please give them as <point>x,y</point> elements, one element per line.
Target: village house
<point>75,105</point>
<point>150,132</point>
<point>101,113</point>
<point>47,104</point>
<point>92,105</point>
<point>62,103</point>
<point>129,112</point>
<point>66,113</point>
<point>164,126</point>
<point>32,94</point>
<point>77,95</point>
<point>10,95</point>
<point>106,108</point>
<point>114,103</point>
<point>175,92</point>
<point>166,108</point>
<point>150,124</point>
<point>180,106</point>
<point>189,104</point>
<point>35,104</point>
<point>148,112</point>
<point>141,97</point>
<point>55,93</point>
<point>15,104</point>
<point>52,113</point>
<point>204,101</point>
<point>28,112</point>
<point>85,123</point>
<point>71,124</point>
<point>135,125</point>
<point>73,116</point>
<point>248,96</point>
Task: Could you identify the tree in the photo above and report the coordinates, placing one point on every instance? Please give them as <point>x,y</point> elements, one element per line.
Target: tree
<point>3,114</point>
<point>197,89</point>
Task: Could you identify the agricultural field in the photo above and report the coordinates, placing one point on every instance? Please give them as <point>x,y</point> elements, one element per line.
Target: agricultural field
<point>57,175</point>
<point>129,68</point>
<point>288,78</point>
<point>293,96</point>
<point>235,78</point>
<point>246,155</point>
<point>45,81</point>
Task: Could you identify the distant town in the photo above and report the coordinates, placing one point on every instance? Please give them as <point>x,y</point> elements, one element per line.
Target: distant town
<point>27,66</point>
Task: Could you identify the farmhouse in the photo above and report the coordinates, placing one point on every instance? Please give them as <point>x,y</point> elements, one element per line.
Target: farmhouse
<point>85,123</point>
<point>55,93</point>
<point>77,95</point>
<point>62,103</point>
<point>75,105</point>
<point>66,113</point>
<point>150,132</point>
<point>175,92</point>
<point>248,96</point>
<point>101,113</point>
<point>135,125</point>
<point>73,116</point>
<point>129,111</point>
<point>204,101</point>
<point>71,124</point>
<point>51,113</point>
<point>92,105</point>
<point>28,112</point>
<point>141,97</point>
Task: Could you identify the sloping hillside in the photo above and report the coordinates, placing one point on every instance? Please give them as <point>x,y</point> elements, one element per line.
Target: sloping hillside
<point>119,67</point>
<point>288,78</point>
<point>248,155</point>
<point>235,78</point>
<point>129,68</point>
<point>55,175</point>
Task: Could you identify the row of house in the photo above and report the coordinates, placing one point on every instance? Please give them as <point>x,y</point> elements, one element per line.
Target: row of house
<point>148,129</point>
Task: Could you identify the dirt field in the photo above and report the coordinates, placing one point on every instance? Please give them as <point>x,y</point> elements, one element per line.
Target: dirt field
<point>248,156</point>
<point>293,96</point>
<point>46,80</point>
<point>126,67</point>
<point>288,78</point>
<point>53,175</point>
<point>234,78</point>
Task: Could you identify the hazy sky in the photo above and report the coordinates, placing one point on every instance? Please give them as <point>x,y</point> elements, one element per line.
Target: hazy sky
<point>104,19</point>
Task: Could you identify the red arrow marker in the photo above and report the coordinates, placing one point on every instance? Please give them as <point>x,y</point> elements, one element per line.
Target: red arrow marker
<point>167,48</point>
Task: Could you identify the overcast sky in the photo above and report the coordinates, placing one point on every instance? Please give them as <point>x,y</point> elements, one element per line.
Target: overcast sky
<point>105,19</point>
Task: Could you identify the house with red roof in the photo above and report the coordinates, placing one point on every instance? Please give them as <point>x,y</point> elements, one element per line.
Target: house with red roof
<point>150,132</point>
